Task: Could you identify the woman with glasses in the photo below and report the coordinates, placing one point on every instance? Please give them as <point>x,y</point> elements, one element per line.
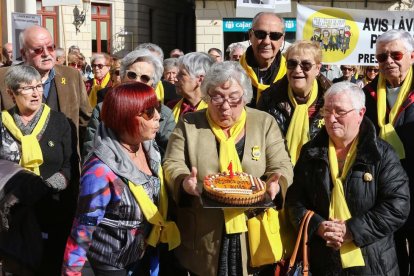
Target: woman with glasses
<point>348,74</point>
<point>40,140</point>
<point>122,203</point>
<point>204,143</point>
<point>100,63</point>
<point>296,99</point>
<point>369,74</point>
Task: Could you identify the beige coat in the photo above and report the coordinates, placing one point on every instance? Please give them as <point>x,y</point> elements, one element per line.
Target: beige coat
<point>193,144</point>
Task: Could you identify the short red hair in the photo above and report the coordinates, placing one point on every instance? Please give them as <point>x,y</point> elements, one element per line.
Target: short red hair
<point>123,103</point>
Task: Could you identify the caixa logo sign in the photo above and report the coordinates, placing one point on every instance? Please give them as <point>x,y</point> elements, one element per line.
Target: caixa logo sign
<point>243,25</point>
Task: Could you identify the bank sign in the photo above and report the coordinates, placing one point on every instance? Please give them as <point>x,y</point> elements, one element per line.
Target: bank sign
<point>237,25</point>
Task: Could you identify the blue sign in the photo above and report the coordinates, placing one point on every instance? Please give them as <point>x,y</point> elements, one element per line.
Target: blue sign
<point>243,25</point>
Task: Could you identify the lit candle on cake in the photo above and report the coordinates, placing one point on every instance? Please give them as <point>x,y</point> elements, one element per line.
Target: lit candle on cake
<point>230,168</point>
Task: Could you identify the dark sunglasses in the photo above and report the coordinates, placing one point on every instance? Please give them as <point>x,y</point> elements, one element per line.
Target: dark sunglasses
<point>100,66</point>
<point>75,65</point>
<point>397,55</point>
<point>115,72</point>
<point>347,68</point>
<point>134,76</point>
<point>375,70</point>
<point>304,64</point>
<point>149,113</point>
<point>40,50</point>
<point>259,34</point>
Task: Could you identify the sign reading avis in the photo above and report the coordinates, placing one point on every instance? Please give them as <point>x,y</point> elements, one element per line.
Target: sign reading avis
<point>243,25</point>
<point>348,36</point>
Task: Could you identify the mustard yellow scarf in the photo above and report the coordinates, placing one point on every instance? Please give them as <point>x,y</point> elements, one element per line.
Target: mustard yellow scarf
<point>255,82</point>
<point>387,131</point>
<point>162,231</point>
<point>351,255</point>
<point>298,132</point>
<point>93,95</point>
<point>159,91</point>
<point>31,155</point>
<point>177,108</point>
<point>234,218</point>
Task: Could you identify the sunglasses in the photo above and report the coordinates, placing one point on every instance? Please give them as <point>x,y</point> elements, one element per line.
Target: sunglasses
<point>115,72</point>
<point>305,65</point>
<point>100,66</point>
<point>41,50</point>
<point>397,55</point>
<point>375,70</point>
<point>347,68</point>
<point>259,34</point>
<point>134,76</point>
<point>149,113</point>
<point>75,65</point>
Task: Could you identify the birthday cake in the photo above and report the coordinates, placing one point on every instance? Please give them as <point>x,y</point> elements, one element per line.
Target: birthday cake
<point>239,189</point>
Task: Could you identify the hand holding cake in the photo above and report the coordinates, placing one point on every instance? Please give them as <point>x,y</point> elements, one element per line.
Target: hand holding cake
<point>190,183</point>
<point>272,185</point>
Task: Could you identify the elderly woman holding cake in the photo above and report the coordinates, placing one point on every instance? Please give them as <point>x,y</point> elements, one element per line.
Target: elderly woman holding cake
<point>225,136</point>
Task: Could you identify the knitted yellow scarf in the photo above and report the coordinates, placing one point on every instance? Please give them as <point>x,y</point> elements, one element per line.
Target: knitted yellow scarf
<point>159,91</point>
<point>162,231</point>
<point>234,218</point>
<point>31,155</point>
<point>177,108</point>
<point>93,95</point>
<point>255,82</point>
<point>298,132</point>
<point>387,131</point>
<point>351,255</point>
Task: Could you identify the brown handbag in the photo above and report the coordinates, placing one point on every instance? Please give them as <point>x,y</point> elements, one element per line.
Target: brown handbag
<point>297,267</point>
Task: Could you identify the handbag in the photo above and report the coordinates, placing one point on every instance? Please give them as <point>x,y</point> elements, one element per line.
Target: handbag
<point>297,267</point>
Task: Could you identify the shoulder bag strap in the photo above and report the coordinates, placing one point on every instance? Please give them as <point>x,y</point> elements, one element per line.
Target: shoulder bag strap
<point>305,244</point>
<point>298,240</point>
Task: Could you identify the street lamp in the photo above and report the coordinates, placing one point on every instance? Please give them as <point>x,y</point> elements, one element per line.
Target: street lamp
<point>80,16</point>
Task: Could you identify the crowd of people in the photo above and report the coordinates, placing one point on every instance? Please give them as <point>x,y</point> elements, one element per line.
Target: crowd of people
<point>103,164</point>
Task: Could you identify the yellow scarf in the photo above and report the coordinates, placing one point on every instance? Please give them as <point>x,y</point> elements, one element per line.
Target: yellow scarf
<point>177,108</point>
<point>31,155</point>
<point>159,91</point>
<point>162,231</point>
<point>351,255</point>
<point>387,131</point>
<point>298,132</point>
<point>93,95</point>
<point>255,82</point>
<point>234,217</point>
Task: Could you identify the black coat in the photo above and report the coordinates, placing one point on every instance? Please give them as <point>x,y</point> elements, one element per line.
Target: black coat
<point>378,207</point>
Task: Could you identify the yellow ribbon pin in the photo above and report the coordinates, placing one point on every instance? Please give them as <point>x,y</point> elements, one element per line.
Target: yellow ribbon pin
<point>63,81</point>
<point>256,153</point>
<point>321,123</point>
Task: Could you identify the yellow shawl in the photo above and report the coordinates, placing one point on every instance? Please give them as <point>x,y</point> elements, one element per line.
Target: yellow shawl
<point>177,108</point>
<point>159,91</point>
<point>93,95</point>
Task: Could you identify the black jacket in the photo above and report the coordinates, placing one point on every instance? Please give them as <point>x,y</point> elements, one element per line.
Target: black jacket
<point>378,207</point>
<point>275,101</point>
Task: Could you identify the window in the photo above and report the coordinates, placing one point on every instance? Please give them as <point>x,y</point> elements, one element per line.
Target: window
<point>101,28</point>
<point>49,19</point>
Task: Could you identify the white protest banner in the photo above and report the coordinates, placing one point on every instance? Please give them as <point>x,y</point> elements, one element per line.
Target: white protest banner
<point>21,21</point>
<point>348,36</point>
<point>249,8</point>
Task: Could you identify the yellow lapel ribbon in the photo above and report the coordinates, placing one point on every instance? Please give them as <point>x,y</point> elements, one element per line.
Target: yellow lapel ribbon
<point>162,231</point>
<point>234,218</point>
<point>351,255</point>
<point>31,155</point>
<point>255,82</point>
<point>159,91</point>
<point>93,95</point>
<point>177,108</point>
<point>387,131</point>
<point>298,132</point>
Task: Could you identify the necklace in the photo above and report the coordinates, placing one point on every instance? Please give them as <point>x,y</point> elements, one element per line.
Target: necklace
<point>135,152</point>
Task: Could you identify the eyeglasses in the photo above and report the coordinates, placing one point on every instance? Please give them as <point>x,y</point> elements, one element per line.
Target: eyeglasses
<point>337,114</point>
<point>305,65</point>
<point>260,34</point>
<point>75,65</point>
<point>115,72</point>
<point>41,50</point>
<point>134,76</point>
<point>347,69</point>
<point>149,113</point>
<point>27,90</point>
<point>375,70</point>
<point>232,101</point>
<point>396,55</point>
<point>100,66</point>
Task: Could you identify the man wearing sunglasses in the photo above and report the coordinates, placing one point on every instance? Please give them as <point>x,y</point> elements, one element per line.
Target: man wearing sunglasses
<point>263,60</point>
<point>390,105</point>
<point>63,87</point>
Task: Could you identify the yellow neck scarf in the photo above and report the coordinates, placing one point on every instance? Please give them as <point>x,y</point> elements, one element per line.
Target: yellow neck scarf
<point>298,132</point>
<point>93,95</point>
<point>162,231</point>
<point>387,131</point>
<point>234,218</point>
<point>31,155</point>
<point>351,255</point>
<point>159,91</point>
<point>255,82</point>
<point>177,108</point>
